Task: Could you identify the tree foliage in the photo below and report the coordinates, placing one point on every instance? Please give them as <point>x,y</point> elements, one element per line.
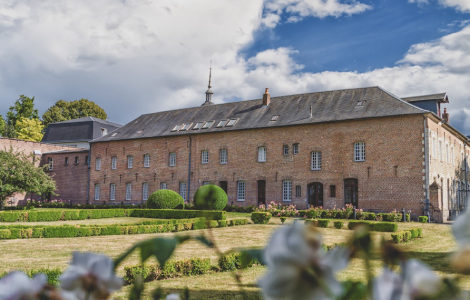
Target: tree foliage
<point>23,108</point>
<point>68,110</point>
<point>29,129</point>
<point>2,126</point>
<point>19,174</point>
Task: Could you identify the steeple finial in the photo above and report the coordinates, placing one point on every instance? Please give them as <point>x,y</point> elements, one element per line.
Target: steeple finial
<point>209,92</point>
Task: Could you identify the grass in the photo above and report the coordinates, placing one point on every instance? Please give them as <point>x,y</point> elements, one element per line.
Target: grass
<point>434,249</point>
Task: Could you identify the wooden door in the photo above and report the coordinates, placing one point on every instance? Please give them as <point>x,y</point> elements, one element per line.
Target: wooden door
<point>350,192</point>
<point>261,192</point>
<point>315,194</point>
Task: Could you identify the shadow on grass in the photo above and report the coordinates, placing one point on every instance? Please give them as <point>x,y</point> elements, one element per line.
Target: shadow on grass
<point>439,261</point>
<point>214,294</point>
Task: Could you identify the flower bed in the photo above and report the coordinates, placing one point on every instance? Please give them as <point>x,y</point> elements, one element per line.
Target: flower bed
<point>154,226</point>
<point>82,214</point>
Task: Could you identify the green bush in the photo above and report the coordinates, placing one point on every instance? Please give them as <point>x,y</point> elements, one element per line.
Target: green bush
<point>210,196</point>
<point>423,219</point>
<point>10,216</point>
<point>323,223</point>
<point>178,214</point>
<point>222,223</point>
<point>166,199</point>
<point>408,217</point>
<point>374,226</point>
<point>5,233</point>
<point>44,215</point>
<point>52,275</point>
<point>420,232</point>
<point>283,219</point>
<point>229,262</point>
<point>200,266</point>
<point>397,237</point>
<point>338,224</point>
<point>406,236</point>
<point>259,217</point>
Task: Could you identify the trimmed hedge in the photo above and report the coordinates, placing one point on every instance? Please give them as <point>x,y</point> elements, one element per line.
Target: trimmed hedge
<point>178,214</point>
<point>375,226</point>
<point>259,217</point>
<point>338,224</point>
<point>154,226</point>
<point>210,196</point>
<point>407,235</point>
<point>323,223</point>
<point>165,199</point>
<point>52,275</point>
<point>423,219</point>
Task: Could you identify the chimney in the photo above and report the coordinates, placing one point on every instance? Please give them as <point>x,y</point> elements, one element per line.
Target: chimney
<point>266,97</point>
<point>445,116</point>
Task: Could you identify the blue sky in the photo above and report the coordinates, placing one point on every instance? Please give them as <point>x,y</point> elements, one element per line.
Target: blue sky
<point>134,57</point>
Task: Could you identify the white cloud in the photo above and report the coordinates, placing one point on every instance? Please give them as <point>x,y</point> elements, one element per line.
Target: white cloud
<point>462,5</point>
<point>296,10</point>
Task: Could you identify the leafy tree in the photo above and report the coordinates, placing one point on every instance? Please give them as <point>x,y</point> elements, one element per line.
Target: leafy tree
<point>29,129</point>
<point>2,126</point>
<point>23,108</point>
<point>68,110</point>
<point>19,174</point>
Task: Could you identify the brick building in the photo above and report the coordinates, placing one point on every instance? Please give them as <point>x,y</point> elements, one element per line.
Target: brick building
<point>362,146</point>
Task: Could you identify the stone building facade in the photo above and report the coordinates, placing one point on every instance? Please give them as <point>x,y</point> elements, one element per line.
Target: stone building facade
<point>364,147</point>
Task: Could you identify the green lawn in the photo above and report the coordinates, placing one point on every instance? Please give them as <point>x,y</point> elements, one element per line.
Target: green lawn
<point>434,249</point>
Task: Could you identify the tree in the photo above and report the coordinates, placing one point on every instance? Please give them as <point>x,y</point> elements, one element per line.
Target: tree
<point>23,108</point>
<point>2,126</point>
<point>19,174</point>
<point>68,110</point>
<point>29,129</point>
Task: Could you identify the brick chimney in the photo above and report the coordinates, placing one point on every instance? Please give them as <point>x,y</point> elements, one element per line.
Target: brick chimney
<point>445,115</point>
<point>266,97</point>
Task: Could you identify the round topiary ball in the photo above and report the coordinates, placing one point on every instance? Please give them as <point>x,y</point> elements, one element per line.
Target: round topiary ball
<point>210,196</point>
<point>166,199</point>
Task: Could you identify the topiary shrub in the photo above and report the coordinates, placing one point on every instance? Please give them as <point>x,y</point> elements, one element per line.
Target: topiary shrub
<point>323,223</point>
<point>210,196</point>
<point>260,217</point>
<point>338,224</point>
<point>166,199</point>
<point>423,219</point>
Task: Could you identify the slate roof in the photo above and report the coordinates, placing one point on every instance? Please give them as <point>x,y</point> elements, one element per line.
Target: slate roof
<point>77,130</point>
<point>441,97</point>
<point>337,105</point>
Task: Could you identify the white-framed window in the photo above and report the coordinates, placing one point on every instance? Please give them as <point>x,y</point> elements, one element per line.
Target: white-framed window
<point>204,156</point>
<point>172,159</point>
<point>50,162</point>
<point>285,149</point>
<point>128,191</point>
<point>298,191</point>
<point>295,148</point>
<point>223,157</point>
<point>146,160</point>
<point>183,190</point>
<point>145,191</point>
<point>97,191</point>
<point>286,190</point>
<point>130,161</point>
<point>316,161</point>
<point>359,151</point>
<point>447,153</point>
<point>112,191</point>
<point>66,161</point>
<point>434,146</point>
<point>241,190</point>
<point>262,154</point>
<point>113,163</point>
<point>208,124</point>
<point>98,164</point>
<point>163,186</point>
<point>452,158</point>
<point>76,160</point>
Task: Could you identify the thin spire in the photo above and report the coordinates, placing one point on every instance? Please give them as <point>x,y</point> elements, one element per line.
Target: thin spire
<point>209,92</point>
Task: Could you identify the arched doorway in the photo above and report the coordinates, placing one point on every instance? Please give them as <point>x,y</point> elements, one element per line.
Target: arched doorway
<point>315,194</point>
<point>350,192</point>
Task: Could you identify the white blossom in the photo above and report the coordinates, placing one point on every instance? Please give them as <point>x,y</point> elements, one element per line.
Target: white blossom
<point>299,268</point>
<point>461,229</point>
<point>89,276</point>
<point>173,297</point>
<point>18,286</point>
<point>416,281</point>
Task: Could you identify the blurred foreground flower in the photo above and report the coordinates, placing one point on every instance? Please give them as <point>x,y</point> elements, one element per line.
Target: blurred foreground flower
<point>417,281</point>
<point>18,286</point>
<point>89,276</point>
<point>461,231</point>
<point>299,268</point>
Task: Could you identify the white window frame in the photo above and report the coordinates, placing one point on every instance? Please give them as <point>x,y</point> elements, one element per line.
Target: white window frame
<point>447,153</point>
<point>146,160</point>
<point>241,190</point>
<point>223,156</point>
<point>97,192</point>
<point>440,150</point>
<point>172,159</point>
<point>287,190</point>
<point>182,189</point>
<point>163,186</point>
<point>295,148</point>
<point>98,164</point>
<point>50,162</point>
<point>204,157</point>
<point>359,151</point>
<point>112,191</point>
<point>113,163</point>
<point>128,191</point>
<point>130,161</point>
<point>285,149</point>
<point>145,191</point>
<point>262,154</point>
<point>316,161</point>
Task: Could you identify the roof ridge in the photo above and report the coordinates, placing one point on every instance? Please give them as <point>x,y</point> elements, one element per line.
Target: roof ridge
<point>400,99</point>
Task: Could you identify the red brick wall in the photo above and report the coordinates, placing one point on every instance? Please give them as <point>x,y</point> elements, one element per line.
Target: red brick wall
<point>390,142</point>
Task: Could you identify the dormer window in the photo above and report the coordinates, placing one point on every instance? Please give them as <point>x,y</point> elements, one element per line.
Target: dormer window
<point>208,124</point>
<point>104,131</point>
<point>221,123</point>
